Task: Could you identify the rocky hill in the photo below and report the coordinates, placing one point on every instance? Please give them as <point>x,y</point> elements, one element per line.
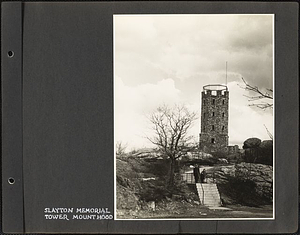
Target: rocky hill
<point>244,183</point>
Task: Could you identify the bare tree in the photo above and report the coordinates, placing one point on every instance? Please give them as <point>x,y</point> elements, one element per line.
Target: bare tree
<point>264,98</point>
<point>269,133</point>
<point>171,127</point>
<point>259,98</point>
<point>120,148</point>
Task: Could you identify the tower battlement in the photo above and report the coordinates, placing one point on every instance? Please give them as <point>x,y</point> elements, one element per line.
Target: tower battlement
<point>214,118</point>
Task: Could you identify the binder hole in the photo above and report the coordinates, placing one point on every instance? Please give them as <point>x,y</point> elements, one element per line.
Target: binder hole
<point>11,180</point>
<point>10,54</point>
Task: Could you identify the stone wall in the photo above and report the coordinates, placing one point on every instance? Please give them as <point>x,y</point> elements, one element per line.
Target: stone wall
<point>233,149</point>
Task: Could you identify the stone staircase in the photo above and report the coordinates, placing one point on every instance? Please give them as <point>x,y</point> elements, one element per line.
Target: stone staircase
<point>211,196</point>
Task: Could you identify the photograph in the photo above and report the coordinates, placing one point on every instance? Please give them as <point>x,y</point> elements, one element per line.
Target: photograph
<point>194,116</point>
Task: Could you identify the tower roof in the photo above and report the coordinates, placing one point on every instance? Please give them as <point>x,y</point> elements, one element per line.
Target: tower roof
<point>215,87</point>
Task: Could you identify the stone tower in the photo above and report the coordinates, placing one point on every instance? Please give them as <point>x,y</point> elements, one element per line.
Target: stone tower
<point>214,118</point>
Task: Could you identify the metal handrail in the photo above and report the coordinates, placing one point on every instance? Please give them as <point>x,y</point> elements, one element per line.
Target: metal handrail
<point>186,178</point>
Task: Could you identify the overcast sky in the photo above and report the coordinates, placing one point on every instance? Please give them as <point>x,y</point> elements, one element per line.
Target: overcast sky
<point>167,59</point>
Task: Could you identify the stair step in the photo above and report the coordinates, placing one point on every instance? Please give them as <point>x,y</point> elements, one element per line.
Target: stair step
<point>212,195</point>
<point>211,198</point>
<point>208,193</point>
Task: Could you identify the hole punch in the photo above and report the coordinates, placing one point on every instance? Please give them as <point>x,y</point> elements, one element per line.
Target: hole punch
<point>11,180</point>
<point>10,54</point>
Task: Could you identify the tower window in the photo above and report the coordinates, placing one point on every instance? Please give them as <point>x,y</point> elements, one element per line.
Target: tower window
<point>223,114</point>
<point>213,140</point>
<point>213,114</point>
<point>203,102</point>
<point>223,102</point>
<point>223,128</point>
<point>212,127</point>
<point>213,101</point>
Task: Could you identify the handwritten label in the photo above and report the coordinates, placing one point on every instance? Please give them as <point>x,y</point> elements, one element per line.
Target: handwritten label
<point>70,213</point>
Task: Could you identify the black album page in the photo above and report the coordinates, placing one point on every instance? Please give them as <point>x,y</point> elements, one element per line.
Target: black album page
<point>150,117</point>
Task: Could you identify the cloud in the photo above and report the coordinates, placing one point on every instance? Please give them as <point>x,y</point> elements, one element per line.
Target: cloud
<point>246,121</point>
<point>169,58</point>
<point>133,104</point>
<point>144,98</point>
<point>180,46</point>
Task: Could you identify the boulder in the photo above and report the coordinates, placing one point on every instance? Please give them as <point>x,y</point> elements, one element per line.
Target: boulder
<point>220,174</point>
<point>256,151</point>
<point>266,146</point>
<point>251,143</point>
<point>244,183</point>
<point>222,161</point>
<point>266,152</point>
<point>261,175</point>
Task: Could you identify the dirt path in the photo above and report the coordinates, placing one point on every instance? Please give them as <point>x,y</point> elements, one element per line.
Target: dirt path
<point>200,212</point>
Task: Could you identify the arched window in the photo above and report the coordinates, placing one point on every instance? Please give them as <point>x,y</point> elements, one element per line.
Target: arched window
<point>223,114</point>
<point>223,102</point>
<point>213,140</point>
<point>212,127</point>
<point>213,114</point>
<point>213,101</point>
<point>223,128</point>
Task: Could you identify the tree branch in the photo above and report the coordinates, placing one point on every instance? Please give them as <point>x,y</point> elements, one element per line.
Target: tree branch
<point>170,127</point>
<point>258,95</point>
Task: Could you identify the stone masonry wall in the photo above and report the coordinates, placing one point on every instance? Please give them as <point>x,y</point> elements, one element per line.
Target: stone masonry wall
<point>214,120</point>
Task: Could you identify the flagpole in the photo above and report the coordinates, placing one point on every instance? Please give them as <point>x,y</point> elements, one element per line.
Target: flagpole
<point>226,73</point>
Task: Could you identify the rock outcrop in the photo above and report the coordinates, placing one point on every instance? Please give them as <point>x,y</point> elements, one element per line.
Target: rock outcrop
<point>244,183</point>
<point>251,143</point>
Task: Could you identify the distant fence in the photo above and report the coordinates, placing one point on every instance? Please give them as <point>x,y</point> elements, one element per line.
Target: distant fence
<point>188,178</point>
